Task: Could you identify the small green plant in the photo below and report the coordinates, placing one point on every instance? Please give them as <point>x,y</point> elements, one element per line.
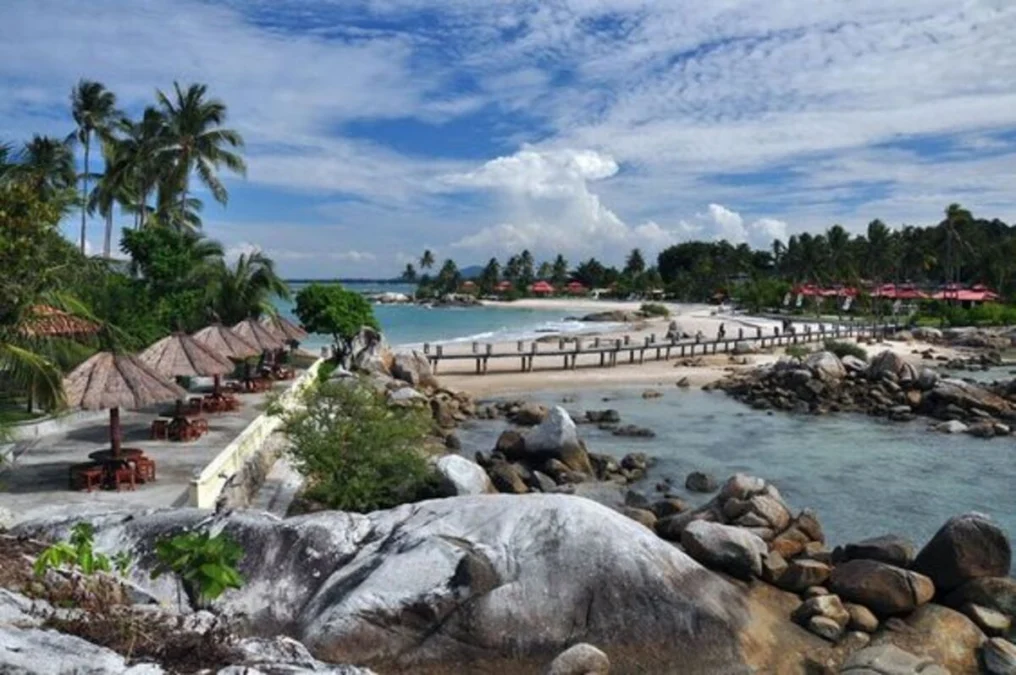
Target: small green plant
<point>357,453</point>
<point>78,554</point>
<point>653,309</point>
<point>798,351</point>
<point>204,565</point>
<point>842,348</point>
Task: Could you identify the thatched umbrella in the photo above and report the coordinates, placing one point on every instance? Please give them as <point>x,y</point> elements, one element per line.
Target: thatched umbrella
<point>47,321</point>
<point>180,355</point>
<point>284,329</point>
<point>114,381</point>
<point>256,334</point>
<point>225,342</point>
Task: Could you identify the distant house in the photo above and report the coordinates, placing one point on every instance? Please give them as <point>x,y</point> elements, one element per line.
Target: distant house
<point>468,286</point>
<point>541,288</point>
<point>576,288</point>
<point>968,296</point>
<point>503,286</point>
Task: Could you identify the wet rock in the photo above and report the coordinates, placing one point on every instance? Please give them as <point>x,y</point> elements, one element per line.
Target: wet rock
<point>529,414</point>
<point>664,508</point>
<point>555,430</point>
<point>966,547</point>
<point>891,549</point>
<point>633,431</point>
<point>651,393</point>
<point>701,482</point>
<point>741,486</point>
<point>581,659</point>
<point>635,461</point>
<point>997,593</point>
<point>506,478</point>
<point>772,510</point>
<point>641,516</point>
<point>609,416</point>
<point>728,549</point>
<point>988,620</point>
<point>790,543</point>
<point>884,589</point>
<point>861,618</point>
<point>999,657</point>
<point>951,427</point>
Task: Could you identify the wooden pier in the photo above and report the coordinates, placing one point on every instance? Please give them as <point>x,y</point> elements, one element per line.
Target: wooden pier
<point>625,350</point>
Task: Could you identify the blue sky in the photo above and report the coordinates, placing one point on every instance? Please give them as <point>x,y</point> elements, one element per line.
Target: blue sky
<point>378,128</point>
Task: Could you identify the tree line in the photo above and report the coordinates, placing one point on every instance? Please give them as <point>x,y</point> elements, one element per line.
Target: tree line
<point>960,249</point>
<point>173,278</point>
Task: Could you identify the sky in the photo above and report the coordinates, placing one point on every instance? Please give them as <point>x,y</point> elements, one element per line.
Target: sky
<point>377,128</point>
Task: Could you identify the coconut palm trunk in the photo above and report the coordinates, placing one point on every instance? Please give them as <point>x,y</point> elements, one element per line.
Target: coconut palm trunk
<point>84,191</point>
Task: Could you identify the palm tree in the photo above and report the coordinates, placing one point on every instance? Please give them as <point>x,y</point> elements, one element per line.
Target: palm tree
<point>245,289</point>
<point>635,264</point>
<point>94,109</point>
<point>196,142</point>
<point>560,270</point>
<point>7,164</point>
<point>47,165</point>
<point>840,254</point>
<point>141,167</point>
<point>955,217</point>
<point>426,260</point>
<point>409,274</point>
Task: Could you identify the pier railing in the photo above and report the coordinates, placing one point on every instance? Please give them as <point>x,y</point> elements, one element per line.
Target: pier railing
<point>625,349</point>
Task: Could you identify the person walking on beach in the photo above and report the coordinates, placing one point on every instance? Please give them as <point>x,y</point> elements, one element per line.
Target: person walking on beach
<point>721,333</point>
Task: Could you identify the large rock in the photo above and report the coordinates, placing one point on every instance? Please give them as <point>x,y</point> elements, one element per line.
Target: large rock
<point>529,414</point>
<point>967,547</point>
<point>414,368</point>
<point>582,659</point>
<point>885,589</point>
<point>370,353</point>
<point>889,659</point>
<point>890,548</point>
<point>729,549</point>
<point>826,366</point>
<point>999,657</point>
<point>701,482</point>
<point>966,395</point>
<point>886,363</point>
<point>997,593</point>
<point>940,634</point>
<point>554,432</point>
<point>33,651</point>
<point>463,477</point>
<point>454,580</point>
<point>854,364</point>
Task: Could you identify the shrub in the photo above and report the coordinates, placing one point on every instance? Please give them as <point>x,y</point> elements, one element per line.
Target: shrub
<point>654,309</point>
<point>77,554</point>
<point>205,565</point>
<point>332,310</point>
<point>357,453</point>
<point>325,370</point>
<point>798,351</point>
<point>842,348</point>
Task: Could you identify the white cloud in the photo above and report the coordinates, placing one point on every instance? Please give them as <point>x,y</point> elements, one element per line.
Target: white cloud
<point>354,256</point>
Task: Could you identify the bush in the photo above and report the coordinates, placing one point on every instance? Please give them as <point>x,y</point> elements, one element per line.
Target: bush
<point>357,453</point>
<point>798,351</point>
<point>332,310</point>
<point>205,565</point>
<point>841,349</point>
<point>653,309</point>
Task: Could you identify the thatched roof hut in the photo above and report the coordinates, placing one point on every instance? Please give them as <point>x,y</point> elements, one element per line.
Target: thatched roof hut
<point>256,334</point>
<point>180,355</point>
<point>114,381</point>
<point>47,321</point>
<point>224,341</point>
<point>284,329</point>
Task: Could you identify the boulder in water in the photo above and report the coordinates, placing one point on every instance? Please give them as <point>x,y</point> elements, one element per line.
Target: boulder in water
<point>966,547</point>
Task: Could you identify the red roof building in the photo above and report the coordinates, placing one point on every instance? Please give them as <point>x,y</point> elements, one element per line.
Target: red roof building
<point>977,293</point>
<point>503,286</point>
<point>577,288</point>
<point>541,288</point>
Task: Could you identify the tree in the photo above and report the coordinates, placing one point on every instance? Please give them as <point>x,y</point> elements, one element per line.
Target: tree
<point>490,275</point>
<point>426,260</point>
<point>635,264</point>
<point>409,274</point>
<point>332,310</point>
<point>197,143</point>
<point>357,453</point>
<point>94,109</point>
<point>246,289</point>
<point>591,273</point>
<point>546,271</point>
<point>448,278</point>
<point>47,165</point>
<point>559,271</point>
<point>140,167</point>
<point>526,274</point>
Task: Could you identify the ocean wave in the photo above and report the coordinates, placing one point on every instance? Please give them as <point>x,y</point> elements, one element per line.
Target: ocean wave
<point>515,333</point>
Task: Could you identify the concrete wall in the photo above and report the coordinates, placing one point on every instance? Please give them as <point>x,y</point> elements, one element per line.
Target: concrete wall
<point>51,425</point>
<point>206,486</point>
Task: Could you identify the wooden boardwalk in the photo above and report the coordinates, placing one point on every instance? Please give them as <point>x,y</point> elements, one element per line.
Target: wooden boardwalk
<point>614,351</point>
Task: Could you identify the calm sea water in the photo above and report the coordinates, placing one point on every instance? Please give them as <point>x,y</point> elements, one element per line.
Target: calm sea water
<point>863,476</point>
<point>415,324</point>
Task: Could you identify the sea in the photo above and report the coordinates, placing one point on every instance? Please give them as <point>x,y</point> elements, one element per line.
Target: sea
<point>412,325</point>
<point>863,476</point>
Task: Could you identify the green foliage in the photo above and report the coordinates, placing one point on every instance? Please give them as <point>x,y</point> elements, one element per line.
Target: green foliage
<point>325,370</point>
<point>356,452</point>
<point>842,348</point>
<point>330,309</point>
<point>205,565</point>
<point>988,314</point>
<point>798,351</point>
<point>77,554</point>
<point>653,309</point>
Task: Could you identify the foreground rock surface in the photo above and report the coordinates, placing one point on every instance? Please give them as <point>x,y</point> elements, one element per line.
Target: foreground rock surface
<point>459,579</point>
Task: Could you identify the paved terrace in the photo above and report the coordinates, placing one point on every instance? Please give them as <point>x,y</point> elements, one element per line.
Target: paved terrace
<point>37,481</point>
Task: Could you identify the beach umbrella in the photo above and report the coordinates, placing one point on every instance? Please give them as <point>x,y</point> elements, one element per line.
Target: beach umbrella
<point>225,342</point>
<point>257,335</point>
<point>114,381</point>
<point>284,329</point>
<point>181,355</point>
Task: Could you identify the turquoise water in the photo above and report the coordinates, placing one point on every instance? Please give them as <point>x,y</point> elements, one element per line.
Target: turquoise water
<point>415,324</point>
<point>863,476</point>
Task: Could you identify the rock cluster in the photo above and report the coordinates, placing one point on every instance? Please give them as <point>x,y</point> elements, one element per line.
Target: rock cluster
<point>550,456</point>
<point>887,386</point>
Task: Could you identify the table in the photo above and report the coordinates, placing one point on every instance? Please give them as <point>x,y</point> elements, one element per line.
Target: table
<point>119,471</point>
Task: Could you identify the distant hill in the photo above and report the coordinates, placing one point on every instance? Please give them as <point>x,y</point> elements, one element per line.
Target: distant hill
<point>345,281</point>
<point>471,272</point>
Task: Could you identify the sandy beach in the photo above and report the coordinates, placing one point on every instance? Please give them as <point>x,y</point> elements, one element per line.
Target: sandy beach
<point>503,376</point>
